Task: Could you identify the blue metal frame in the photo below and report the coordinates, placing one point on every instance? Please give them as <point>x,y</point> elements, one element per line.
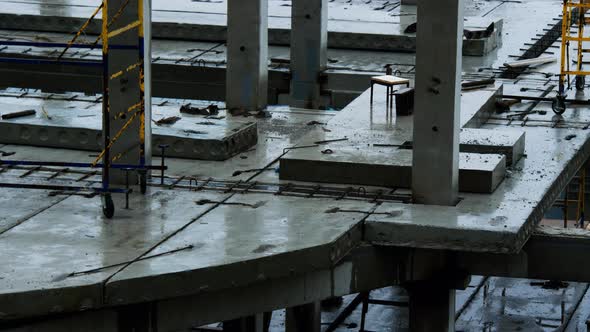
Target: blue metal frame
<point>52,62</point>
<point>78,165</point>
<point>46,44</point>
<point>65,188</point>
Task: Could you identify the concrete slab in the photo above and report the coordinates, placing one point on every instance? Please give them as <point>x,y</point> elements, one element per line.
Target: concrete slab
<point>510,143</point>
<point>21,209</point>
<point>365,145</point>
<point>72,236</point>
<point>77,125</point>
<point>351,24</point>
<point>501,222</point>
<point>249,238</point>
<point>281,131</point>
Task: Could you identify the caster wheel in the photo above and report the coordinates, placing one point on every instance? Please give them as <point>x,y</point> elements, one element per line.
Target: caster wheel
<point>558,105</point>
<point>580,82</point>
<point>143,183</point>
<point>108,206</point>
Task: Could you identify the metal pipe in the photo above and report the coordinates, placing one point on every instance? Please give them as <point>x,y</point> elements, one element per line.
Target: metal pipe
<point>52,62</point>
<point>63,188</point>
<point>80,165</point>
<point>50,45</point>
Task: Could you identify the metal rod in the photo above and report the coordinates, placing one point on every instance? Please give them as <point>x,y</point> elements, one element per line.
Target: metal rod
<point>49,45</point>
<point>573,101</point>
<point>61,188</point>
<point>52,62</point>
<point>78,165</point>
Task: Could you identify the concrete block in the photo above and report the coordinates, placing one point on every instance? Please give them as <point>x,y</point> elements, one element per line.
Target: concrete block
<point>478,173</point>
<point>510,143</point>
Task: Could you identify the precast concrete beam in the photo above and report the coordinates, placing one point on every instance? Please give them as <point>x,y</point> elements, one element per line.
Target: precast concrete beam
<point>247,54</point>
<point>435,169</point>
<point>309,45</point>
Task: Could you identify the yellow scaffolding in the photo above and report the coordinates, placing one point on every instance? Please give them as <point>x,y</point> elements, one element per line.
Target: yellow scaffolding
<point>573,16</point>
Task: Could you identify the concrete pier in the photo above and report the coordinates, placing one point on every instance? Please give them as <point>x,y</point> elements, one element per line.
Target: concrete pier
<point>309,42</point>
<point>247,54</point>
<point>435,173</point>
<point>304,318</point>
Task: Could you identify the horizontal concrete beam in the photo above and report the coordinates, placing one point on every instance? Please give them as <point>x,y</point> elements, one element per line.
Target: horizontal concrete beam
<point>175,81</point>
<point>551,253</point>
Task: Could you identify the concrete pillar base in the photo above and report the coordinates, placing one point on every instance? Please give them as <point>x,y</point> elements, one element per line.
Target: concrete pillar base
<point>254,323</point>
<point>304,318</point>
<point>432,307</point>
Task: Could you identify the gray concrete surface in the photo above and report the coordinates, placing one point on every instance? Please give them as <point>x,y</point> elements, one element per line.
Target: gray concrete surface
<point>376,26</point>
<point>77,125</point>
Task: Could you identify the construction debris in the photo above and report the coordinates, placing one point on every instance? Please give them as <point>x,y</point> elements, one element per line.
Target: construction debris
<point>167,121</point>
<point>19,114</point>
<point>530,62</point>
<point>209,110</point>
<point>472,85</point>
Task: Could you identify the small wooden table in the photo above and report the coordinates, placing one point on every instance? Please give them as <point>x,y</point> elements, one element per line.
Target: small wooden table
<point>389,81</point>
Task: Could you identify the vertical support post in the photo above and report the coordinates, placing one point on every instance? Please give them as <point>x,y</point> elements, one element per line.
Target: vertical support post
<point>137,318</point>
<point>106,125</point>
<point>309,40</point>
<point>304,318</point>
<point>435,168</point>
<point>124,86</point>
<point>432,307</point>
<point>253,323</point>
<point>147,80</point>
<point>247,55</point>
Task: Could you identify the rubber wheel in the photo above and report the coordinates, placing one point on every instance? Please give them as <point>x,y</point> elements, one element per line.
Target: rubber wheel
<point>558,105</point>
<point>143,183</point>
<point>580,82</point>
<point>108,206</point>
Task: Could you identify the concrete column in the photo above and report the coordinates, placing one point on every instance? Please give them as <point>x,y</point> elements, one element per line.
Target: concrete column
<point>435,169</point>
<point>123,84</point>
<point>247,54</point>
<point>432,307</point>
<point>137,318</point>
<point>304,318</point>
<point>255,323</point>
<point>309,40</point>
